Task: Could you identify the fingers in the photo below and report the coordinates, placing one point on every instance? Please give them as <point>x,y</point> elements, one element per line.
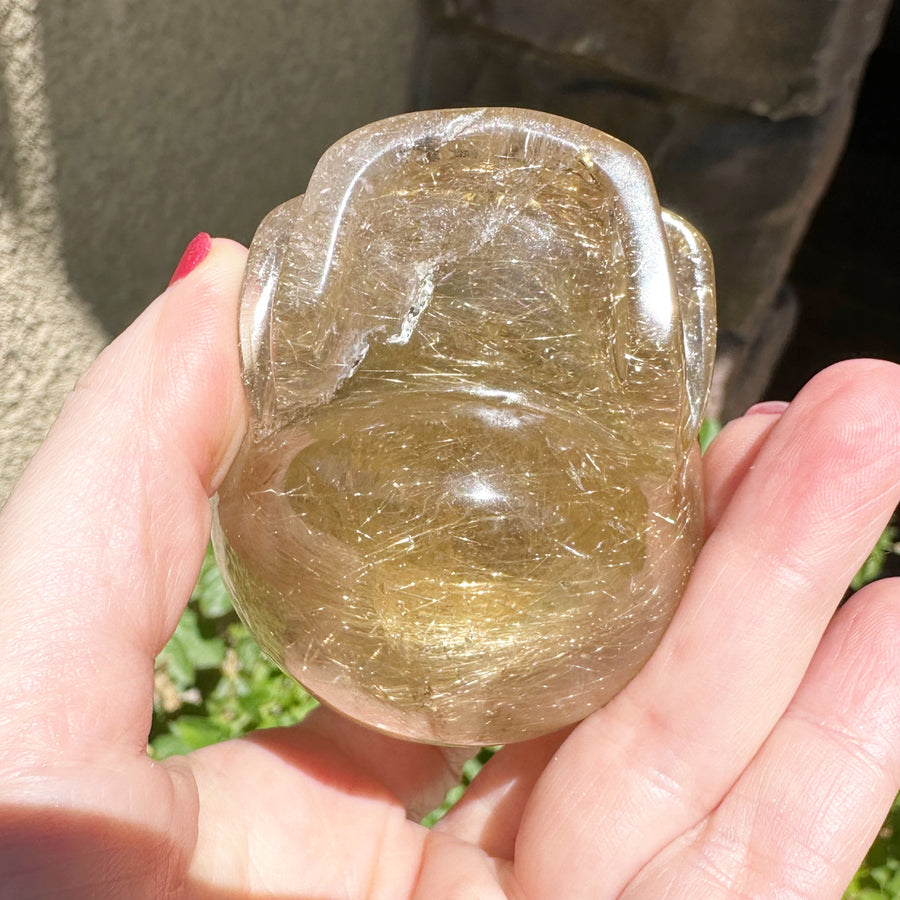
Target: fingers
<point>490,811</point>
<point>665,751</point>
<point>800,819</point>
<point>102,539</point>
<point>451,868</point>
<point>731,455</point>
<point>280,814</point>
<point>417,775</point>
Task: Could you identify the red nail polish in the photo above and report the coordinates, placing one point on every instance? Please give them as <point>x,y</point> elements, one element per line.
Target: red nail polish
<point>194,254</point>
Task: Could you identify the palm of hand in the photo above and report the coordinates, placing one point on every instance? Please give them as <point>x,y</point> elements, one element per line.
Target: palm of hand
<point>755,755</point>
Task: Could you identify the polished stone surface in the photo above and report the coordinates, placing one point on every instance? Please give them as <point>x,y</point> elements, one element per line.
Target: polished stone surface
<point>477,354</point>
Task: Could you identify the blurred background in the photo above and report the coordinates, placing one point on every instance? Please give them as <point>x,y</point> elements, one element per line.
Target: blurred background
<point>127,127</point>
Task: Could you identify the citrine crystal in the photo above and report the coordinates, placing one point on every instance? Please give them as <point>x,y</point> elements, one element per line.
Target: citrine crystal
<point>476,353</point>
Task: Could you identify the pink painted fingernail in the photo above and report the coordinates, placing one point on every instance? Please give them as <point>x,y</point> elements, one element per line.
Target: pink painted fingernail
<point>768,408</point>
<point>194,254</point>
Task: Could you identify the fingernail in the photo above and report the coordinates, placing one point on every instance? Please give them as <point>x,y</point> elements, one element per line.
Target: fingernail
<point>194,254</point>
<point>768,408</point>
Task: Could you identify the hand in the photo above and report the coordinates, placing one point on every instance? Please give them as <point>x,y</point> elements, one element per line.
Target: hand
<point>755,755</point>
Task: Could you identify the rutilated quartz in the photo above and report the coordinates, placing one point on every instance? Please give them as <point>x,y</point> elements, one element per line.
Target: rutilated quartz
<point>477,354</point>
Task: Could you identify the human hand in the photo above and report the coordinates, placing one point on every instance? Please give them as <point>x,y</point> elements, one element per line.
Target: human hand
<point>755,755</point>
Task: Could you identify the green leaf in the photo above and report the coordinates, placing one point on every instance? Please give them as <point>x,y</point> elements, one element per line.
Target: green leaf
<point>873,567</point>
<point>188,651</point>
<point>709,428</point>
<point>198,731</point>
<point>204,652</point>
<point>178,664</point>
<point>165,745</point>
<point>878,877</point>
<point>210,595</point>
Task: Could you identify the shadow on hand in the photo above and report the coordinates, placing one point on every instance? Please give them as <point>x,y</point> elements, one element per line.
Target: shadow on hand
<point>69,855</point>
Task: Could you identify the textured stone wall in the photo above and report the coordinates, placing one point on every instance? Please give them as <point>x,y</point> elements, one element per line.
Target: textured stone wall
<point>126,127</point>
<point>776,58</point>
<point>741,107</point>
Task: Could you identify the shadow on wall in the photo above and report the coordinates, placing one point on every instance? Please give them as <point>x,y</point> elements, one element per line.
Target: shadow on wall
<point>847,273</point>
<point>741,108</point>
<point>170,118</point>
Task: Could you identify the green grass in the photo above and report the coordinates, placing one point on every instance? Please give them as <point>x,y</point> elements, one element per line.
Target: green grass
<point>213,683</point>
<point>878,877</point>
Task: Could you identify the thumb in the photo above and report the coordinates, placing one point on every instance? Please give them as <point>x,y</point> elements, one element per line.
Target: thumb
<point>102,539</point>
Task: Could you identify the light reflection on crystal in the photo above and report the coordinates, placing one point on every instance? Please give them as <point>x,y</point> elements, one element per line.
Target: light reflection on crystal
<point>477,354</point>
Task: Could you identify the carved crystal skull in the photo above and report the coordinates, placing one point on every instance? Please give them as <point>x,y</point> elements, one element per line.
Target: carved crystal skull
<point>477,354</point>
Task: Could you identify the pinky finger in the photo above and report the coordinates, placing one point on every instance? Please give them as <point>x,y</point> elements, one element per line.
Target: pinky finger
<point>800,819</point>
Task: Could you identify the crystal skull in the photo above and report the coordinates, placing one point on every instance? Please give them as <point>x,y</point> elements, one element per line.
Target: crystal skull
<point>477,354</point>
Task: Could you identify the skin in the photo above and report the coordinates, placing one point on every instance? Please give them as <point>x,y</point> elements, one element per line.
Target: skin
<point>754,756</point>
